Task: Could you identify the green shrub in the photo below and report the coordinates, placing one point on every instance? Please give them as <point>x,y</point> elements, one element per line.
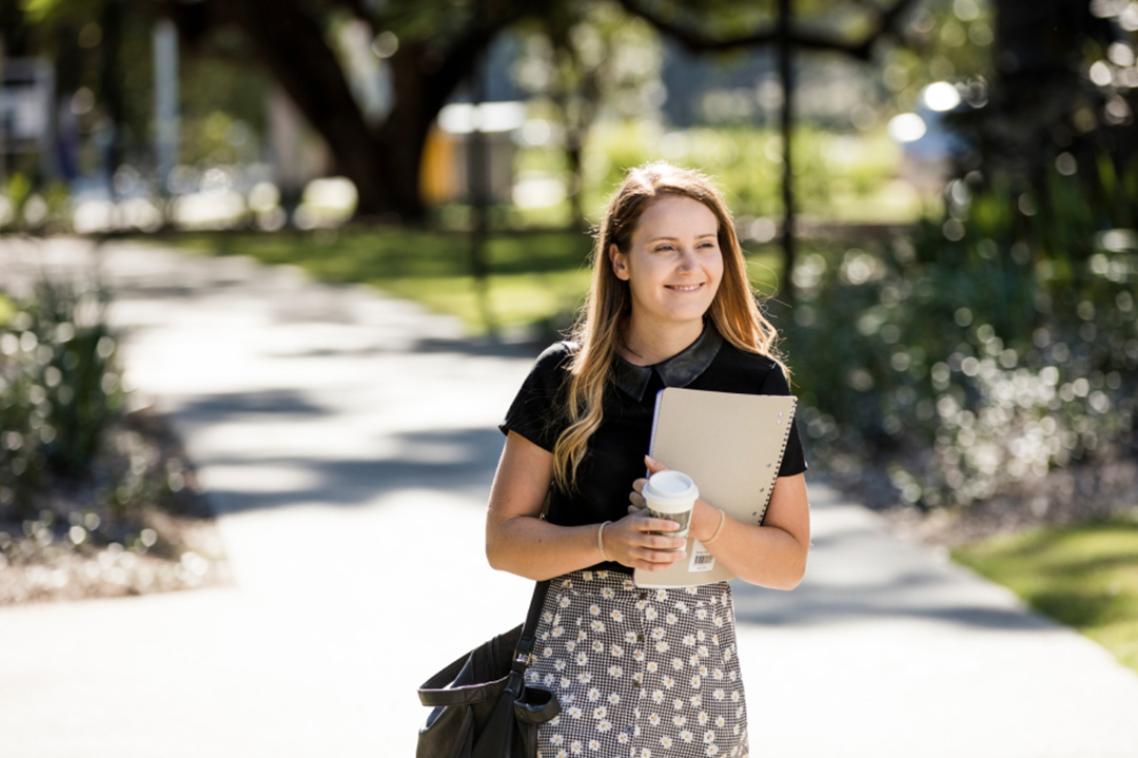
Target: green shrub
<point>60,389</point>
<point>984,351</point>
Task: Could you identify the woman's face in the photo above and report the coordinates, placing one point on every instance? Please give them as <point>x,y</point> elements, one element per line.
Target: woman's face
<point>674,265</point>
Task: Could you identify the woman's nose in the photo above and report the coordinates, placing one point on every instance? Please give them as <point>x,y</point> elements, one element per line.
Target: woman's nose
<point>687,259</point>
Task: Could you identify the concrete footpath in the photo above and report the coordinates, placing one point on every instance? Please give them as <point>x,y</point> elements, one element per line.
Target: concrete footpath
<point>347,441</point>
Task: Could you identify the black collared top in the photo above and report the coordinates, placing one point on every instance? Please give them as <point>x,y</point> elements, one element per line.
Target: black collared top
<point>614,457</point>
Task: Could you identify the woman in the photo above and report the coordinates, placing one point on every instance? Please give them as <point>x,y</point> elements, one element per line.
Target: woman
<point>641,672</point>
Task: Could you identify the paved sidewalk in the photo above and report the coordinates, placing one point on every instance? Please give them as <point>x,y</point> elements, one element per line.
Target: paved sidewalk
<point>348,441</point>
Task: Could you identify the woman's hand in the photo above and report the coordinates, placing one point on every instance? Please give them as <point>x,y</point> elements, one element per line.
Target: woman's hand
<point>639,546</point>
<point>704,517</point>
<point>635,541</point>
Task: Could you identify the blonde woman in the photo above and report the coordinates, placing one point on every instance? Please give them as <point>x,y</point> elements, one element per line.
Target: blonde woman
<point>641,672</point>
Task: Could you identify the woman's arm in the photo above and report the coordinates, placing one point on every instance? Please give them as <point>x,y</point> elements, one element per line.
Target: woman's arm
<point>772,555</point>
<point>520,542</point>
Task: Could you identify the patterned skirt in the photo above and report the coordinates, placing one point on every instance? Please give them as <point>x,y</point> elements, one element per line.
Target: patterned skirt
<point>639,672</point>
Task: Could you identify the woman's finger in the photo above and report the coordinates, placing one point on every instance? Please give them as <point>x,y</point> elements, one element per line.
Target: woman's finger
<point>638,484</point>
<point>649,524</point>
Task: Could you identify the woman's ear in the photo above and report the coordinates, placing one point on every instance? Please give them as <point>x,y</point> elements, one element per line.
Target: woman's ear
<point>619,263</point>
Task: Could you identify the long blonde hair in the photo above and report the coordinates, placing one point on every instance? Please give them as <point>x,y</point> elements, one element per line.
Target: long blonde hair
<point>603,318</point>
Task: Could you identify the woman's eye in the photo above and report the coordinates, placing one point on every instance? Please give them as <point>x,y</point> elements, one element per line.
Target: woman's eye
<point>663,248</point>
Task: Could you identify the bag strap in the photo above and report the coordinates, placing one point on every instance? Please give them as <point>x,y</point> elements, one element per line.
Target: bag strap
<point>529,629</point>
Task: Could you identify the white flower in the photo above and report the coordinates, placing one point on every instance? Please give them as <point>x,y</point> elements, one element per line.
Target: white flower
<point>608,593</point>
<point>703,718</point>
<point>665,742</point>
<point>654,719</point>
<point>576,748</point>
<point>711,750</point>
<point>719,694</point>
<point>677,664</point>
<point>557,739</point>
<point>658,697</point>
<point>597,626</point>
<point>662,647</point>
<point>651,667</point>
<point>708,737</point>
<point>595,609</point>
<point>594,694</point>
<point>598,646</point>
<point>582,659</point>
<point>679,720</point>
<point>604,726</point>
<point>689,640</point>
<point>557,631</point>
<point>622,738</point>
<point>574,713</point>
<point>600,712</point>
<point>616,651</point>
<point>671,618</point>
<point>617,616</point>
<point>594,744</point>
<point>615,671</point>
<point>695,681</point>
<point>720,721</point>
<point>668,681</point>
<point>650,613</point>
<point>686,735</point>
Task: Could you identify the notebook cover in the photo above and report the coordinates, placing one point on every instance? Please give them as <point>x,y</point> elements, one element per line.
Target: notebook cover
<point>732,445</point>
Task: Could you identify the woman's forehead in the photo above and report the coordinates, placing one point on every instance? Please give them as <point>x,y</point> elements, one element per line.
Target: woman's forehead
<point>676,216</point>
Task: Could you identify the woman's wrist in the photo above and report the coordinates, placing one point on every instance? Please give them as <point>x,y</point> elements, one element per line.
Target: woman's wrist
<point>705,518</point>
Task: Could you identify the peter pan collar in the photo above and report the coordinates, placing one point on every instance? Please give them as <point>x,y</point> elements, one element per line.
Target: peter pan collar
<point>678,371</point>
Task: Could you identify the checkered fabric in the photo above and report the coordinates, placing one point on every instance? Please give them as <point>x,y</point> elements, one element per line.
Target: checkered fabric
<point>639,672</point>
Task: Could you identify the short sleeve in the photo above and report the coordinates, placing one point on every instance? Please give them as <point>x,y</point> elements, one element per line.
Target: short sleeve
<point>537,412</point>
<point>793,459</point>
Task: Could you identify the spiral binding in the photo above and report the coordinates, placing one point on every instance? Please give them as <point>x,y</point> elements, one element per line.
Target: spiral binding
<point>762,512</point>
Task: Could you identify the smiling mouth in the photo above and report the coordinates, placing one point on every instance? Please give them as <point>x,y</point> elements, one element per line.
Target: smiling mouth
<point>684,287</point>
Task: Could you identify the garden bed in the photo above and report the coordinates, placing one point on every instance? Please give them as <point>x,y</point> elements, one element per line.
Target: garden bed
<point>139,524</point>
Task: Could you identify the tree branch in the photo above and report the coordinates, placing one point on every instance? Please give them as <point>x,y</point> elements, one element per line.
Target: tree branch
<point>696,40</point>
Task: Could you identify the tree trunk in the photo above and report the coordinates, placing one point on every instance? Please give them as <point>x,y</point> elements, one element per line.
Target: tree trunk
<point>786,124</point>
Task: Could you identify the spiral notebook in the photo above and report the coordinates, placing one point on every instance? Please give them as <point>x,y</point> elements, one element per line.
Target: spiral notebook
<point>732,445</point>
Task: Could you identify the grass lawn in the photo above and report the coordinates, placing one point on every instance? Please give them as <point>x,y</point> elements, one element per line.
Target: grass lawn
<point>534,276</point>
<point>1084,576</point>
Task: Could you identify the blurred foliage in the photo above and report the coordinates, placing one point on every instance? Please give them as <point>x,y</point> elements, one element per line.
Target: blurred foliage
<point>1086,576</point>
<point>834,171</point>
<point>60,390</point>
<point>984,351</point>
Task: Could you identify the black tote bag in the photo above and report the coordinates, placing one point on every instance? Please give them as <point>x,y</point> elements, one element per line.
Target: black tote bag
<point>482,706</point>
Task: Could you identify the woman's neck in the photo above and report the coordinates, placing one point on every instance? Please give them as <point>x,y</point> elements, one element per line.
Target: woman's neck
<point>649,344</point>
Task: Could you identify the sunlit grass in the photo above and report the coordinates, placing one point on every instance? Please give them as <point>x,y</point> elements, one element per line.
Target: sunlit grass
<point>1084,576</point>
<point>535,278</point>
<point>7,309</point>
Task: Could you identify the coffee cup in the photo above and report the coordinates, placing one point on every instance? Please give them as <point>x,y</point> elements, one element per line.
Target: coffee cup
<point>671,495</point>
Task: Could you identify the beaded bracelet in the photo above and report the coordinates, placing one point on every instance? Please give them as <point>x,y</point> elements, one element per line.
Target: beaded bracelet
<point>715,535</point>
<point>601,540</point>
